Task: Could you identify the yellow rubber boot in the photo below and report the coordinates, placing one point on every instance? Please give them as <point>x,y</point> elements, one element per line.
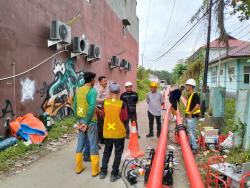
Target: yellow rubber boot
<point>79,163</point>
<point>95,165</point>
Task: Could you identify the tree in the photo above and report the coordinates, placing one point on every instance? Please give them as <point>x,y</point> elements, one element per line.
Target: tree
<point>178,71</point>
<point>220,6</point>
<point>163,75</point>
<point>241,8</point>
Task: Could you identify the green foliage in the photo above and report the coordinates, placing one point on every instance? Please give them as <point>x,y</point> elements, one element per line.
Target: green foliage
<point>229,115</point>
<point>237,156</point>
<point>190,68</point>
<point>142,73</point>
<point>241,8</point>
<point>142,83</point>
<point>163,75</point>
<point>13,153</point>
<point>61,127</point>
<point>178,71</point>
<point>10,155</point>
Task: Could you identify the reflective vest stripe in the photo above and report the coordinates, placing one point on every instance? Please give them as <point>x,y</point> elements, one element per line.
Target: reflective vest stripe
<point>189,104</point>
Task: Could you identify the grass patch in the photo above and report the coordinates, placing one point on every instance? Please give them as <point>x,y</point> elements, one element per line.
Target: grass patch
<point>61,127</point>
<point>10,155</point>
<point>238,156</point>
<point>229,115</point>
<point>17,152</point>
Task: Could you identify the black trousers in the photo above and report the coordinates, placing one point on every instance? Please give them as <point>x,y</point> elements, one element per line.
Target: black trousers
<point>151,123</point>
<point>131,117</point>
<point>100,122</point>
<point>119,147</point>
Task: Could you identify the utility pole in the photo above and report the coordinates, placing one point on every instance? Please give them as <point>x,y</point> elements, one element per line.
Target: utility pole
<point>204,93</point>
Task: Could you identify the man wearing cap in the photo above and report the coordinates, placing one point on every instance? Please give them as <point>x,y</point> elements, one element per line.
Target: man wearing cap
<point>130,97</point>
<point>192,112</point>
<point>154,100</point>
<point>115,114</point>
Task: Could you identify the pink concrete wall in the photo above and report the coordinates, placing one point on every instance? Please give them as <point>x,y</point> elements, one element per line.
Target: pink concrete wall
<point>24,29</point>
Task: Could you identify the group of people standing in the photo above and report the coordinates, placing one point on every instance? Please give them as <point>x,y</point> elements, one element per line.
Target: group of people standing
<point>103,117</point>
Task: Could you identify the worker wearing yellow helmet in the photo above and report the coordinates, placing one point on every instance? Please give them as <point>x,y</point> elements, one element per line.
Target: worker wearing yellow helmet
<point>154,100</point>
<point>154,84</point>
<point>192,112</point>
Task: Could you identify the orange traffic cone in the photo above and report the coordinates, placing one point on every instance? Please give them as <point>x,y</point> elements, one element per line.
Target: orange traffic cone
<point>133,143</point>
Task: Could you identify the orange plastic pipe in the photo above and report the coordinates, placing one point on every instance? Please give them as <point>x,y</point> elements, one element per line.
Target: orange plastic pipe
<point>156,173</point>
<point>191,167</point>
<point>184,100</point>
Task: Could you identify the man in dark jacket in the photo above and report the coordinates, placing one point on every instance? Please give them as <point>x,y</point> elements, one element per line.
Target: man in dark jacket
<point>130,98</point>
<point>175,95</point>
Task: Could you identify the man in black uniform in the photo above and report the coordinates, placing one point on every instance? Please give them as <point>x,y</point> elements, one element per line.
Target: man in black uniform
<point>131,98</point>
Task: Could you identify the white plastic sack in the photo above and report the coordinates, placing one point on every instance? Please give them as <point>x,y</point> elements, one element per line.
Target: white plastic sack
<point>228,142</point>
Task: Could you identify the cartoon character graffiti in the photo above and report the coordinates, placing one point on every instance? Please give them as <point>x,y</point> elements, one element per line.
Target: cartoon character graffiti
<point>60,93</point>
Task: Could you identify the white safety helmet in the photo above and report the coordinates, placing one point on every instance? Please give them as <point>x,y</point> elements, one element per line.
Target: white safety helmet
<point>191,82</point>
<point>128,84</point>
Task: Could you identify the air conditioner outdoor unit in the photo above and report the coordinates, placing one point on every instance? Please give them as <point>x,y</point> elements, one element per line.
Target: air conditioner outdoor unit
<point>123,64</point>
<point>127,67</point>
<point>94,53</point>
<point>80,46</point>
<point>60,34</point>
<point>114,62</point>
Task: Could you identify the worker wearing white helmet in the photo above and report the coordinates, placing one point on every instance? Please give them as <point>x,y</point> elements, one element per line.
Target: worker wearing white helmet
<point>192,112</point>
<point>130,97</point>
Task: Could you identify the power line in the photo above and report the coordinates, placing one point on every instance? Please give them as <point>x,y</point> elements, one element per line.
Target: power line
<point>146,32</point>
<point>165,53</point>
<point>243,29</point>
<point>169,21</point>
<point>176,43</point>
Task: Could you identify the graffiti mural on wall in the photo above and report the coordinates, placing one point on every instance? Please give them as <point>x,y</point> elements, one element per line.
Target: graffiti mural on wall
<point>43,90</point>
<point>60,93</point>
<point>28,89</point>
<point>7,109</point>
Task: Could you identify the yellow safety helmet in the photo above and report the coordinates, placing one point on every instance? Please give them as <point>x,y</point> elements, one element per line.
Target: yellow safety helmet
<point>153,84</point>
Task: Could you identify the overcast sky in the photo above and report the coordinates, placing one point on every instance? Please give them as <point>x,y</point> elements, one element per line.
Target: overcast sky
<point>155,37</point>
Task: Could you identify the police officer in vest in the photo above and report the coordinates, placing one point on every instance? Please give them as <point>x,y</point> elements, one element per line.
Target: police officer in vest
<point>192,113</point>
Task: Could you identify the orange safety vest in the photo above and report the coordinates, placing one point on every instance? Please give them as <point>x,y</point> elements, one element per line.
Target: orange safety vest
<point>113,127</point>
<point>189,104</point>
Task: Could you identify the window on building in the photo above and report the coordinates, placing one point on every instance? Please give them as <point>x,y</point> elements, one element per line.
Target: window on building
<point>246,74</point>
<point>221,72</point>
<point>231,73</point>
<point>125,23</point>
<point>214,76</point>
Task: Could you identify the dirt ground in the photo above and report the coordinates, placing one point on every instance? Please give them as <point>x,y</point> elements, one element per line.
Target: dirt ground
<point>57,168</point>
